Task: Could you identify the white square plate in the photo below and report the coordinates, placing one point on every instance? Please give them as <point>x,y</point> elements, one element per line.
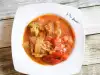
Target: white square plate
<point>23,63</point>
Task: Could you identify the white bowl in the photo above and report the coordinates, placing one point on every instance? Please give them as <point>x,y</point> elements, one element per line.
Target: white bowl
<point>23,63</point>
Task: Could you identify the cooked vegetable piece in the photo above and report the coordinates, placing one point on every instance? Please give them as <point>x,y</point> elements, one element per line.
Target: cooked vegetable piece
<point>34,28</point>
<point>26,45</point>
<point>38,55</point>
<point>38,44</point>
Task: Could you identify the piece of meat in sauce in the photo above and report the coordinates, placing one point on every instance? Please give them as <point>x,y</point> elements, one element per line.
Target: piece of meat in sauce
<point>57,30</point>
<point>41,21</point>
<point>32,40</point>
<point>42,47</point>
<point>49,28</point>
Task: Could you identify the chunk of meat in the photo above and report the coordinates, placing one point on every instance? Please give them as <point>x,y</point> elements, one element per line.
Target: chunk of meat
<point>57,29</point>
<point>49,38</point>
<point>32,39</point>
<point>41,21</point>
<point>65,39</point>
<point>41,27</point>
<point>47,46</point>
<point>50,28</point>
<point>42,34</point>
<point>59,47</point>
<point>70,40</point>
<point>31,47</point>
<point>56,41</point>
<point>42,47</point>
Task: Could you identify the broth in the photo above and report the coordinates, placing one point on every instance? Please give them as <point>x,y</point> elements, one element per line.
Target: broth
<point>48,39</point>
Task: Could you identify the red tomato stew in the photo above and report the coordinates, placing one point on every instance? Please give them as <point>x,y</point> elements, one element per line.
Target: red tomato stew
<point>49,39</point>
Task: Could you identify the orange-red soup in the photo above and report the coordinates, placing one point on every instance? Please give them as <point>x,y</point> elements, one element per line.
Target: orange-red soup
<point>48,39</point>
